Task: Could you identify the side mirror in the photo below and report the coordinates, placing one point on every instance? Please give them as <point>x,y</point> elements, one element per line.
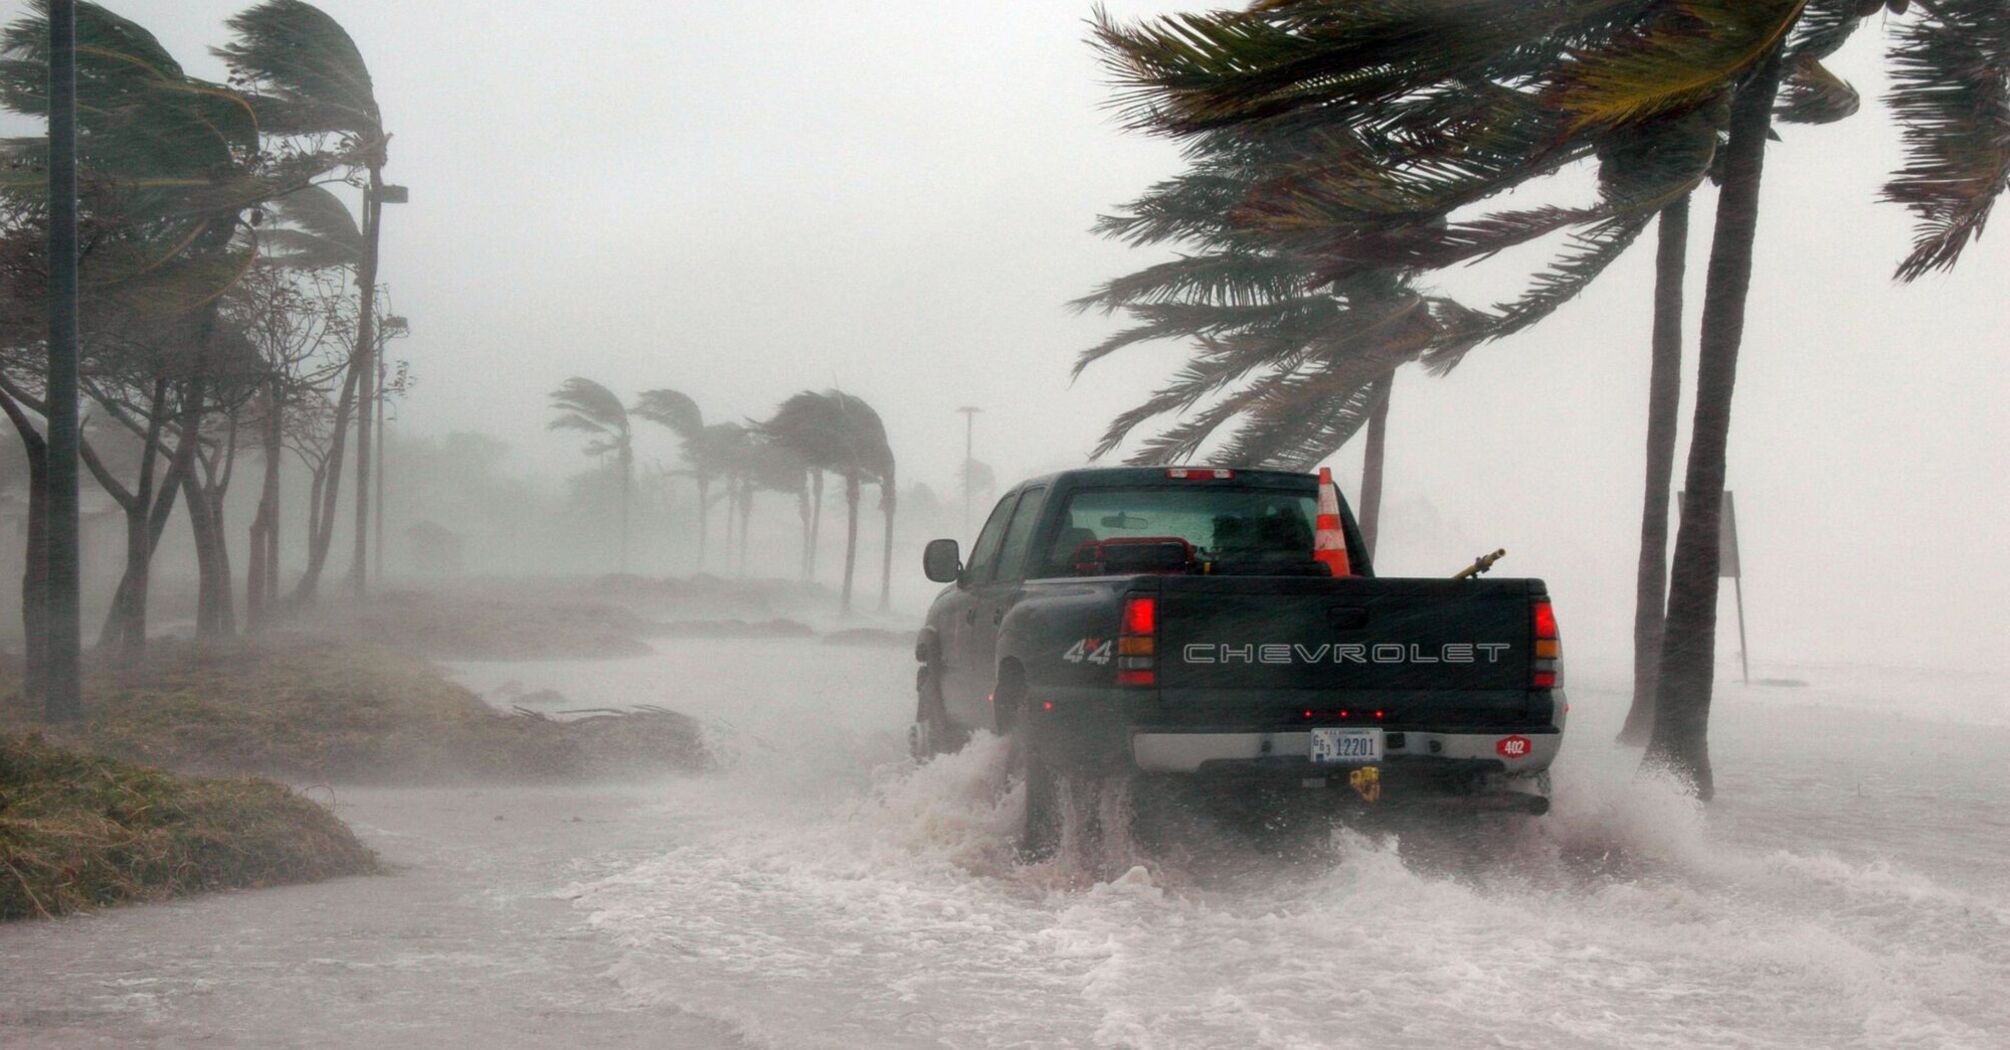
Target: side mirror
<point>942,561</point>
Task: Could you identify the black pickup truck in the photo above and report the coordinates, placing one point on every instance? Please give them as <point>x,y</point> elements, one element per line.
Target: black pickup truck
<point>1176,621</point>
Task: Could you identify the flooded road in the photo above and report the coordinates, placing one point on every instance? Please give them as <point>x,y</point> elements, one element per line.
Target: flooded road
<point>1848,889</point>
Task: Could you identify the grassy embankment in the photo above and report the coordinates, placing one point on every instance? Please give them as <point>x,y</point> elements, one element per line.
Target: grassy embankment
<point>123,808</point>
<point>78,831</point>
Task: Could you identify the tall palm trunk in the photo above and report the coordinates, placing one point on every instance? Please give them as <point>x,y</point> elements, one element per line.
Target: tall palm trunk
<point>888,494</point>
<point>363,363</point>
<point>1664,399</point>
<point>746,520</point>
<point>851,494</point>
<point>1370,518</point>
<point>377,512</point>
<point>803,511</point>
<point>816,519</point>
<point>1680,740</point>
<point>626,459</point>
<point>704,517</point>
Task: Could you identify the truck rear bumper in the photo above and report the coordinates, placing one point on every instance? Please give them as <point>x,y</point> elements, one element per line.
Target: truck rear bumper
<point>1507,750</point>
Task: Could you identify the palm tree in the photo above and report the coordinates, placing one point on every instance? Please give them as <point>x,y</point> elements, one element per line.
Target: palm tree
<point>311,80</point>
<point>1411,117</point>
<point>839,432</point>
<point>681,415</point>
<point>1810,95</point>
<point>1664,397</point>
<point>1951,94</point>
<point>584,405</point>
<point>763,464</point>
<point>1394,82</point>
<point>174,167</point>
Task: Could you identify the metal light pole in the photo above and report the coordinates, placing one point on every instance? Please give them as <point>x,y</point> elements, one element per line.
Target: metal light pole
<point>969,431</point>
<point>64,702</point>
<point>368,341</point>
<point>393,325</point>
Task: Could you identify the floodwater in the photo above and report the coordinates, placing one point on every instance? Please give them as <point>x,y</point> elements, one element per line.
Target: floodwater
<point>1848,889</point>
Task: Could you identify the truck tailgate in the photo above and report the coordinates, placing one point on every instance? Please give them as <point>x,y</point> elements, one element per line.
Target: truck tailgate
<point>1285,650</point>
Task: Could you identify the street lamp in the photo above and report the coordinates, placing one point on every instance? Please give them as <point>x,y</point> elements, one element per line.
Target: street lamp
<point>969,429</point>
<point>375,196</point>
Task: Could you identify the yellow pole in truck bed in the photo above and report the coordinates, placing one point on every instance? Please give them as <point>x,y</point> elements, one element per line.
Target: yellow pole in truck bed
<point>1480,565</point>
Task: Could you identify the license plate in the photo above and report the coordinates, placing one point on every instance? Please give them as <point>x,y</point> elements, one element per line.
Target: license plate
<point>1346,746</point>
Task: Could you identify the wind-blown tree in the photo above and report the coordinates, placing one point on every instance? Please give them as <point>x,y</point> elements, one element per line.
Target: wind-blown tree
<point>759,463</point>
<point>1810,95</point>
<point>172,169</point>
<point>313,234</point>
<point>298,319</point>
<point>705,451</point>
<point>584,405</point>
<point>839,432</point>
<point>1951,96</point>
<point>1533,88</point>
<point>308,79</point>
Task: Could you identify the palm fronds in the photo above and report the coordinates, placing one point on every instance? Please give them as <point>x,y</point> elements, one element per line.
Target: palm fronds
<point>584,405</point>
<point>1951,96</point>
<point>314,230</point>
<point>1680,56</point>
<point>670,409</point>
<point>309,75</point>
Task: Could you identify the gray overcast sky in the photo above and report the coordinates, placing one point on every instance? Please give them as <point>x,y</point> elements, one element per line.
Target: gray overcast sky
<point>743,200</point>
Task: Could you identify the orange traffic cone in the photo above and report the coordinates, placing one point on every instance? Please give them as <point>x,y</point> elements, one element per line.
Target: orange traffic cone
<point>1329,543</point>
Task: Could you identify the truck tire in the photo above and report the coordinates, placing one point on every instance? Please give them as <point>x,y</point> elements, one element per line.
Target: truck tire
<point>1040,830</point>
<point>932,733</point>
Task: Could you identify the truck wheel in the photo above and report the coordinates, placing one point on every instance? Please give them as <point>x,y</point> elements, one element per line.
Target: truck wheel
<point>932,733</point>
<point>1040,832</point>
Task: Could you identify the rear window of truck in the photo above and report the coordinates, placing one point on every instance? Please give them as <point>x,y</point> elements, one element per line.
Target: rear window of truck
<point>1222,524</point>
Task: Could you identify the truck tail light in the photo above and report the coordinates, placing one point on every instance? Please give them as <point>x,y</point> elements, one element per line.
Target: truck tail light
<point>1137,641</point>
<point>1546,669</point>
<point>1200,474</point>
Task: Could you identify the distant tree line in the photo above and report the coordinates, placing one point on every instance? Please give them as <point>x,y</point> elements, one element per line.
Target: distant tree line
<point>808,437</point>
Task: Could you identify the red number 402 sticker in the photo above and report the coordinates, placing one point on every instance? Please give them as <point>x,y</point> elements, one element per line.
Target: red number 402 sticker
<point>1513,746</point>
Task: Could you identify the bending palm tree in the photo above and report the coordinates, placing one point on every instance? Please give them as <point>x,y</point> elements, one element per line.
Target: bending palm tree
<point>839,432</point>
<point>312,80</point>
<point>585,405</point>
<point>1412,117</point>
<point>679,414</point>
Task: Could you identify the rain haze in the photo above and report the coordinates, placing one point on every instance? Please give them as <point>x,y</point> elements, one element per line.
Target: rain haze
<point>695,819</point>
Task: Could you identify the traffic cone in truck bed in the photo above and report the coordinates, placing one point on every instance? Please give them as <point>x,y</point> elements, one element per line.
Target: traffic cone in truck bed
<point>1329,542</point>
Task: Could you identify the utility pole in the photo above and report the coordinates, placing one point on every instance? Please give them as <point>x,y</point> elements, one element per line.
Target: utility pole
<point>969,431</point>
<point>393,325</point>
<point>64,702</point>
<point>369,346</point>
<point>382,440</point>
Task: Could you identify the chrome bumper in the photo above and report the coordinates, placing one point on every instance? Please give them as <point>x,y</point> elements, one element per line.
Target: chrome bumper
<point>1156,752</point>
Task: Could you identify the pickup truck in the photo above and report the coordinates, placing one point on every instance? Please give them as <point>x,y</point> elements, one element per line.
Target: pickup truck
<point>1176,621</point>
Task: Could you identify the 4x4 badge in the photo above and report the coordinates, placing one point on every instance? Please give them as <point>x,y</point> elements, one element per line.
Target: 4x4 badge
<point>1092,650</point>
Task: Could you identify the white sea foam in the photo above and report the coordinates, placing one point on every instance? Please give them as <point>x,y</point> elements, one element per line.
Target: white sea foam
<point>825,892</point>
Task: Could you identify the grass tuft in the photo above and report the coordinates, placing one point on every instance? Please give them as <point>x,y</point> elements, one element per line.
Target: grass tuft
<point>79,832</point>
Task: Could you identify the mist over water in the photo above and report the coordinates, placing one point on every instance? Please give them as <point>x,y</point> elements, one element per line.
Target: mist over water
<point>822,891</point>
